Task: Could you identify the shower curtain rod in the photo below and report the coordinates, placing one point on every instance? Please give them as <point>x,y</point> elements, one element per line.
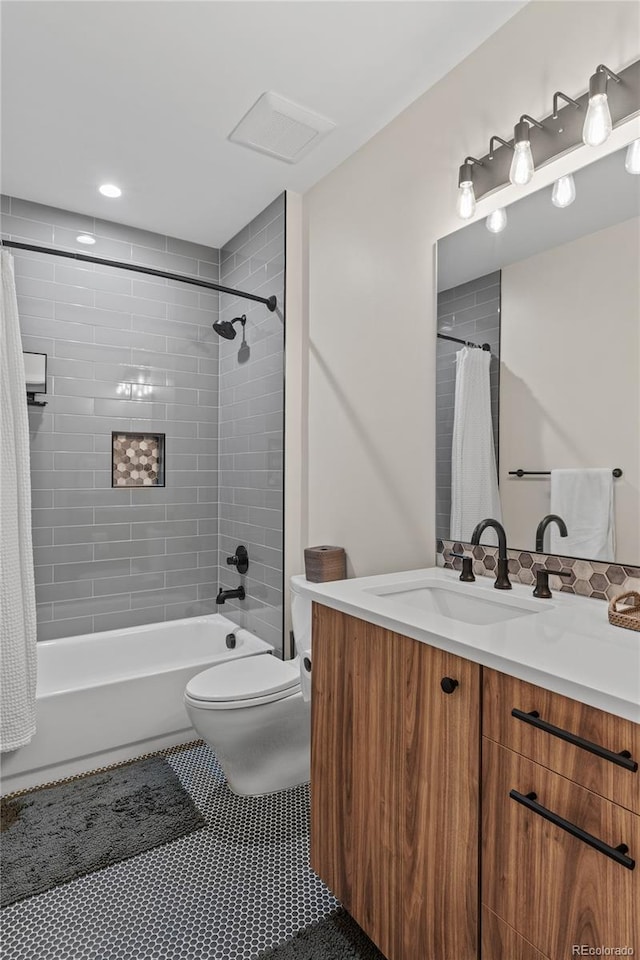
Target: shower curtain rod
<point>270,302</point>
<point>466,343</point>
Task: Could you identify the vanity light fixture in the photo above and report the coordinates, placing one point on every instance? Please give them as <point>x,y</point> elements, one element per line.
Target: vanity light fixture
<point>496,221</point>
<point>466,206</point>
<point>632,158</point>
<point>588,118</point>
<point>597,124</point>
<point>85,238</point>
<point>110,190</point>
<point>564,191</point>
<point>522,166</point>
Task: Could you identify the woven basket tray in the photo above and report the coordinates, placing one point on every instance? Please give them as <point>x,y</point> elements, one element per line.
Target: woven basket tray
<point>630,616</point>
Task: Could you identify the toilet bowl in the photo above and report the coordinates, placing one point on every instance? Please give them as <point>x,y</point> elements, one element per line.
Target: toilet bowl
<point>255,716</point>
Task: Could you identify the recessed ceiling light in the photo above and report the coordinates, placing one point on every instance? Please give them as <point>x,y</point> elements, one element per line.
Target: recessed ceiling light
<point>110,190</point>
<point>85,238</point>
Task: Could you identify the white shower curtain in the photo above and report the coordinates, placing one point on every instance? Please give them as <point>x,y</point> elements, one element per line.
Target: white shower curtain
<point>474,478</point>
<point>17,590</point>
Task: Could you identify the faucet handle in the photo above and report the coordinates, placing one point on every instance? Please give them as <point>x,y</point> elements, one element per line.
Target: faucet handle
<point>240,559</point>
<point>467,575</point>
<point>542,589</point>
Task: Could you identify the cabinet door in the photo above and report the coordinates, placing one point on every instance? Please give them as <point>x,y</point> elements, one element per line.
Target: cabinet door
<point>440,805</point>
<point>356,764</point>
<point>394,787</point>
<point>552,886</point>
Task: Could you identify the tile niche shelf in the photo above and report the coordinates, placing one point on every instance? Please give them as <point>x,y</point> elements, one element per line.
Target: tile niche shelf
<point>137,459</point>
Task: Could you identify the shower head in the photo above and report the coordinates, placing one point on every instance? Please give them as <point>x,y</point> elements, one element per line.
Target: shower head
<point>224,328</point>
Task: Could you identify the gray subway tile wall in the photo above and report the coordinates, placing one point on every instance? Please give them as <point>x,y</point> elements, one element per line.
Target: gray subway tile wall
<point>471,312</point>
<point>109,558</point>
<point>251,424</point>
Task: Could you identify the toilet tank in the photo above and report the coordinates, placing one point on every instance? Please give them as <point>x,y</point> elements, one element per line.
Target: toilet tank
<point>301,623</point>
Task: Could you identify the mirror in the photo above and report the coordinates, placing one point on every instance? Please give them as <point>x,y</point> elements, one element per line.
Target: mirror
<point>555,300</point>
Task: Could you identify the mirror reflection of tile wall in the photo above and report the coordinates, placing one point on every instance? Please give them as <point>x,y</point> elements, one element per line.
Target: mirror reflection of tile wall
<point>471,312</point>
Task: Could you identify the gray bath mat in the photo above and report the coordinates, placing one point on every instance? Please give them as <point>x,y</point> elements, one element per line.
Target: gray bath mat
<point>56,834</point>
<point>337,937</point>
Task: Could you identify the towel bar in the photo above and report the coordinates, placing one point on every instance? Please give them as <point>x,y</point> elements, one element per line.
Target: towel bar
<point>617,472</point>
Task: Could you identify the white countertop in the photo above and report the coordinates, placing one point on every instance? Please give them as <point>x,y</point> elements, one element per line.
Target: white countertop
<point>569,647</point>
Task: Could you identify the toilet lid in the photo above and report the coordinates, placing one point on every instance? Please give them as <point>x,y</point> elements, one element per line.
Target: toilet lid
<point>245,679</point>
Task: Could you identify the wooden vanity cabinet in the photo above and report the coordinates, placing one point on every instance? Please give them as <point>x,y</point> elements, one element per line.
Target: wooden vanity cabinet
<point>395,801</point>
<point>395,786</point>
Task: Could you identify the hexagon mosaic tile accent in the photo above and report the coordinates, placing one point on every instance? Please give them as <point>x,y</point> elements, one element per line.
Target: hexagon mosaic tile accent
<point>138,460</point>
<point>226,892</point>
<point>587,578</point>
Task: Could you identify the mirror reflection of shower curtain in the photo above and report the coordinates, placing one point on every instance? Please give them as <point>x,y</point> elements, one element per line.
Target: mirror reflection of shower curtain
<point>17,590</point>
<point>474,478</point>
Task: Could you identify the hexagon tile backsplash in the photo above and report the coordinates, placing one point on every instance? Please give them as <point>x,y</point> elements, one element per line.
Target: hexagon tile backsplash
<point>587,578</point>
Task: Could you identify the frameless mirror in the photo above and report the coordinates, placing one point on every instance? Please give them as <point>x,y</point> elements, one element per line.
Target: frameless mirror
<point>554,297</point>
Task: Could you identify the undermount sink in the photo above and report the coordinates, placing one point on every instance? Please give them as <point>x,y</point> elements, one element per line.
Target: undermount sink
<point>456,604</point>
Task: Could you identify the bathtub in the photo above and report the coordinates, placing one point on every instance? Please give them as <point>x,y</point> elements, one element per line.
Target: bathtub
<point>106,697</point>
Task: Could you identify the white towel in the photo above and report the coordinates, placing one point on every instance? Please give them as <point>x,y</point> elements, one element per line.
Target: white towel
<point>474,478</point>
<point>17,591</point>
<point>584,500</point>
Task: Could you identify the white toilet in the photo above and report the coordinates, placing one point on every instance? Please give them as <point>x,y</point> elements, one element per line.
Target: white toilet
<point>255,714</point>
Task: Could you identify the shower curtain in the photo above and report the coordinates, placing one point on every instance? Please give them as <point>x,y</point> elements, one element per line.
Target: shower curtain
<point>474,478</point>
<point>17,590</point>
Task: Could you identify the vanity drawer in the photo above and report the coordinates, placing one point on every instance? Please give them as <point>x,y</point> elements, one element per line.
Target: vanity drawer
<point>580,742</point>
<point>543,876</point>
<point>501,942</point>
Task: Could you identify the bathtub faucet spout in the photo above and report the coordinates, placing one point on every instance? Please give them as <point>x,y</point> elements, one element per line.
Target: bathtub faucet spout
<point>237,594</point>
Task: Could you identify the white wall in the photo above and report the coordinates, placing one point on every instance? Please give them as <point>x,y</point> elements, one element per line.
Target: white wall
<point>372,225</point>
<point>570,376</point>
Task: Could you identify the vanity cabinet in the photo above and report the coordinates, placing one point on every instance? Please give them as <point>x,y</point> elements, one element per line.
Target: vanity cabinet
<point>395,786</point>
<point>395,804</point>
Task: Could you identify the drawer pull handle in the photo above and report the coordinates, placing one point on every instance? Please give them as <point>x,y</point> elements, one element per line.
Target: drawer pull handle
<point>619,853</point>
<point>622,759</point>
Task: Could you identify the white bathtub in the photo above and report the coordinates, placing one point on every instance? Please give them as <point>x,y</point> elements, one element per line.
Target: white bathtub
<point>106,697</point>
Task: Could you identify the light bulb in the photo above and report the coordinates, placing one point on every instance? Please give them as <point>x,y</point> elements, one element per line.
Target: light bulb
<point>564,191</point>
<point>466,206</point>
<point>597,123</point>
<point>85,238</point>
<point>497,221</point>
<point>522,167</point>
<point>632,159</point>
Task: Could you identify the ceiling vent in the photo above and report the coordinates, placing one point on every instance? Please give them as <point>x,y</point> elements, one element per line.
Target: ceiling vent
<point>280,128</point>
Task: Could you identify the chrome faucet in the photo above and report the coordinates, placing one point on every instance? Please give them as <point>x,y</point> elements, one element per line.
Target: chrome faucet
<point>542,526</point>
<point>502,573</point>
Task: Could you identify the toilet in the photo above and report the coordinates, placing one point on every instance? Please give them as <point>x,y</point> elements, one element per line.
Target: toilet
<point>255,714</point>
